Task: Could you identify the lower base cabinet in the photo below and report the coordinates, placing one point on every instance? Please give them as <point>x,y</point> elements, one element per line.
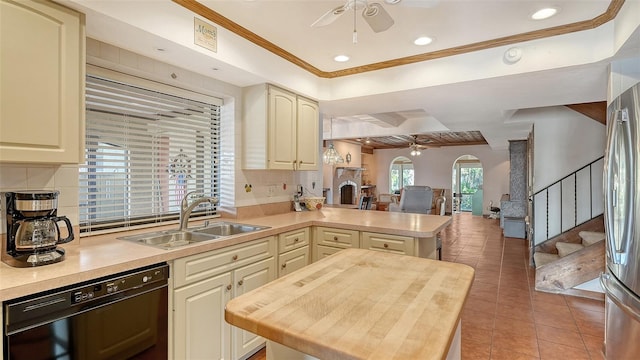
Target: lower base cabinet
<point>246,279</point>
<point>204,283</point>
<point>200,331</point>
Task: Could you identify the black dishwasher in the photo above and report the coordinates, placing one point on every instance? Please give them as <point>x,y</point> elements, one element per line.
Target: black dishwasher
<point>123,316</point>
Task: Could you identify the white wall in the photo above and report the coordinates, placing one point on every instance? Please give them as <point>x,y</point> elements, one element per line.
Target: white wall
<point>434,168</point>
<point>564,141</point>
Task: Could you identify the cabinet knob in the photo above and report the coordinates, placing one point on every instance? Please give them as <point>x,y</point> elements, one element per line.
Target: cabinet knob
<point>235,257</point>
<point>295,240</point>
<point>284,266</point>
<point>386,245</point>
<point>229,287</point>
<point>240,283</point>
<point>335,238</point>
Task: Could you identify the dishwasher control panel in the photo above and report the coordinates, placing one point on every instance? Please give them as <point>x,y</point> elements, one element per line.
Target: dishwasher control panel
<point>112,287</point>
<point>79,297</point>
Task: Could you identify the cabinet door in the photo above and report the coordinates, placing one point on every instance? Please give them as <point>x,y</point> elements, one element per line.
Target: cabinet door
<point>390,243</point>
<point>307,135</point>
<point>42,85</point>
<point>282,129</point>
<point>293,260</point>
<point>200,331</point>
<point>246,279</point>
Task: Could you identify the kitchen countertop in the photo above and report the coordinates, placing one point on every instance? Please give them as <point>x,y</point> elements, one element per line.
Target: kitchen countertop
<point>102,255</point>
<point>360,304</point>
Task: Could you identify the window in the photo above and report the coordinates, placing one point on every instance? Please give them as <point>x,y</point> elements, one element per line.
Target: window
<point>145,148</point>
<point>400,174</point>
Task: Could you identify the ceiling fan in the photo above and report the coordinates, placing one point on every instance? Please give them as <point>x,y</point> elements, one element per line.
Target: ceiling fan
<point>416,147</point>
<point>373,13</point>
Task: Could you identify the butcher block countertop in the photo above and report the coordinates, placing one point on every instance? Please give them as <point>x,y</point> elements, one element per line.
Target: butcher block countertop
<point>360,304</point>
<point>91,257</point>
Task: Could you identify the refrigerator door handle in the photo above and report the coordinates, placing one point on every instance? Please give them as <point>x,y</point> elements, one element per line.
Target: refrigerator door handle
<point>619,254</point>
<point>614,292</point>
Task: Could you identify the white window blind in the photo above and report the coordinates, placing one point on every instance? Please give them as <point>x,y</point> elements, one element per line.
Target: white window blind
<point>145,149</point>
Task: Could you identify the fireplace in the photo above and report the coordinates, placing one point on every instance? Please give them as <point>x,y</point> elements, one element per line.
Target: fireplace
<point>346,185</point>
<point>348,194</point>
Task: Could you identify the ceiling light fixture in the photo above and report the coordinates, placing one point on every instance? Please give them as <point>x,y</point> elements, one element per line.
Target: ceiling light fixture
<point>415,149</point>
<point>341,58</point>
<point>423,40</point>
<point>544,13</point>
<point>331,156</point>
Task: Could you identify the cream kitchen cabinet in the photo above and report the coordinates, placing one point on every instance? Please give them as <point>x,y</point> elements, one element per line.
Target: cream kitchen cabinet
<point>327,241</point>
<point>42,84</point>
<point>293,250</point>
<point>397,244</point>
<point>203,283</point>
<point>281,130</point>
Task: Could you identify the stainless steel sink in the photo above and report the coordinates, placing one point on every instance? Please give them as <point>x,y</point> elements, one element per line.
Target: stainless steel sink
<point>225,228</point>
<point>169,239</point>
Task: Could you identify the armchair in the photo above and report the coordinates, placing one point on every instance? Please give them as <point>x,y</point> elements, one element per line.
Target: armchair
<point>416,199</point>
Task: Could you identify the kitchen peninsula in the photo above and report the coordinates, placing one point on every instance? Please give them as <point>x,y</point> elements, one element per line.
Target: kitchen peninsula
<point>206,275</point>
<point>103,255</point>
<point>359,304</point>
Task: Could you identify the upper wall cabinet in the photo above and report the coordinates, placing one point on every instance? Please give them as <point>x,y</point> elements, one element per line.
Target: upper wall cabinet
<point>281,130</point>
<point>42,76</point>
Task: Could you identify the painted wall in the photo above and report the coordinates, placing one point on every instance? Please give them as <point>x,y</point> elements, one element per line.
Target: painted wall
<point>328,171</point>
<point>564,141</point>
<point>434,168</point>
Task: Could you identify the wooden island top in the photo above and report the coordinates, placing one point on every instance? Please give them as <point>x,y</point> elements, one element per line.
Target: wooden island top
<point>360,304</point>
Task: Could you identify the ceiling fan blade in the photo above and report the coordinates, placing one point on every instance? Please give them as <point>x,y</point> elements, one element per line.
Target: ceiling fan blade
<point>377,17</point>
<point>414,3</point>
<point>329,17</point>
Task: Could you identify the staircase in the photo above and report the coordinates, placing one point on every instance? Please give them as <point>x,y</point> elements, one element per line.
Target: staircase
<point>568,248</point>
<point>572,264</point>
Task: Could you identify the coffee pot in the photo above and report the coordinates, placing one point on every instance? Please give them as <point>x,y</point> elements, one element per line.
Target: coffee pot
<point>32,229</point>
<point>40,233</point>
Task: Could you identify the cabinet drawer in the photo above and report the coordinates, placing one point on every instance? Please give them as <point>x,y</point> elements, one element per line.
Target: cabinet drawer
<point>390,243</point>
<point>293,240</point>
<point>341,238</point>
<point>321,252</point>
<point>201,266</point>
<point>293,260</point>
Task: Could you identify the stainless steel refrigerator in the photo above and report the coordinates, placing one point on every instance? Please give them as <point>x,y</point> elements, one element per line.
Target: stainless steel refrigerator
<point>621,281</point>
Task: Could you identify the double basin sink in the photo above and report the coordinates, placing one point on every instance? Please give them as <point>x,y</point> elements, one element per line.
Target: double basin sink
<point>174,238</point>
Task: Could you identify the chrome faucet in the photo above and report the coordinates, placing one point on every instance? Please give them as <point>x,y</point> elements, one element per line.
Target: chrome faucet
<point>185,211</point>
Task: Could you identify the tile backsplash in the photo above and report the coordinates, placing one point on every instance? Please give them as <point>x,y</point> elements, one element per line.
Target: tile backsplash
<point>64,178</point>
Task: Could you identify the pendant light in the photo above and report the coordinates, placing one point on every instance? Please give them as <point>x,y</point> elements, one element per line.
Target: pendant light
<point>330,155</point>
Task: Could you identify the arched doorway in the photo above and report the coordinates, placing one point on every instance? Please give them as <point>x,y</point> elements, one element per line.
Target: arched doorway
<point>466,185</point>
<point>401,174</point>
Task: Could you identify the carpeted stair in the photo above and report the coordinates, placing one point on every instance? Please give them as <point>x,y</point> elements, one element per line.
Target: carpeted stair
<point>565,248</point>
<point>574,263</point>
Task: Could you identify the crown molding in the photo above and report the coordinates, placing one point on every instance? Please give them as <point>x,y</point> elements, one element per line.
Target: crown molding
<point>215,17</point>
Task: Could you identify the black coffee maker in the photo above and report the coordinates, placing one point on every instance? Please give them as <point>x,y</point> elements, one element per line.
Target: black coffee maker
<point>32,229</point>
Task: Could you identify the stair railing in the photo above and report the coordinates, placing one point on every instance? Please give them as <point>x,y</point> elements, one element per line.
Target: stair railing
<point>568,202</point>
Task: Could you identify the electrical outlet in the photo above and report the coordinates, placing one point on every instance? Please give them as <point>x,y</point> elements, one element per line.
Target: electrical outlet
<point>271,190</point>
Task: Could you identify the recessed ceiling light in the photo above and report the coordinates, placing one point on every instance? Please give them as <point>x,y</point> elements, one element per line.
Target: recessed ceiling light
<point>544,13</point>
<point>423,40</point>
<point>341,58</point>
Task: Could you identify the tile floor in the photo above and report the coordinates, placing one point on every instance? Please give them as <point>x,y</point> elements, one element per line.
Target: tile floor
<point>505,318</point>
